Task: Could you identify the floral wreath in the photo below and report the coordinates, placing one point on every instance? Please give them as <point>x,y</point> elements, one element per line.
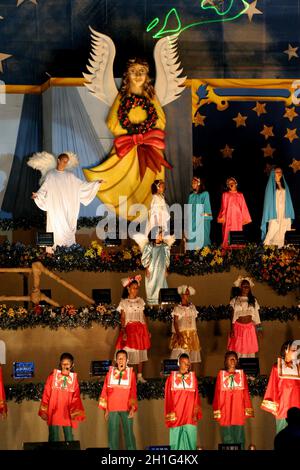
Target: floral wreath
<point>129,102</point>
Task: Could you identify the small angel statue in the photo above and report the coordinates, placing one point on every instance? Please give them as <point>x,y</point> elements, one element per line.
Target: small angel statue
<point>60,194</point>
<point>136,119</point>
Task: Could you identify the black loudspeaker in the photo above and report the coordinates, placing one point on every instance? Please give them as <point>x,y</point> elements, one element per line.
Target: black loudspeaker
<point>169,296</point>
<point>237,237</point>
<point>101,296</point>
<point>100,368</point>
<point>45,239</point>
<point>229,446</point>
<point>73,445</point>
<point>250,365</point>
<point>292,237</point>
<point>169,365</point>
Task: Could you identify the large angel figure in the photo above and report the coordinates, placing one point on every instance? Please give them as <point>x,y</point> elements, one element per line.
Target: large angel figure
<point>60,194</point>
<point>136,119</point>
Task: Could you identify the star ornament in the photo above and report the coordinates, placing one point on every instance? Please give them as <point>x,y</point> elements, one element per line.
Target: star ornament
<point>291,52</point>
<point>295,165</point>
<point>199,120</point>
<point>240,120</point>
<point>291,134</point>
<point>252,10</point>
<point>19,2</point>
<point>268,151</point>
<point>2,58</point>
<point>290,113</point>
<point>260,108</point>
<point>227,151</point>
<point>267,132</point>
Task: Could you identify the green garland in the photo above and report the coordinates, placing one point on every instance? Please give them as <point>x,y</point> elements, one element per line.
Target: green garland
<point>129,102</point>
<point>153,389</point>
<point>13,318</point>
<point>279,268</point>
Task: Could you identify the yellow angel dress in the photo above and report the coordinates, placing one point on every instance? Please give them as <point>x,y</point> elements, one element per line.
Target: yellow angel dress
<point>136,159</point>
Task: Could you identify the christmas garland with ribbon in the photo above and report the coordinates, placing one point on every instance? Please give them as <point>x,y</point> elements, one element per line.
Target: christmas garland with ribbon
<point>153,389</point>
<point>129,102</point>
<point>13,318</point>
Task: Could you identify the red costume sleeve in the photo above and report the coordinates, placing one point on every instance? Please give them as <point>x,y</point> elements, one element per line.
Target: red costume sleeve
<point>271,399</point>
<point>133,393</point>
<point>197,402</point>
<point>222,213</point>
<point>170,415</point>
<point>216,402</point>
<point>3,405</point>
<point>249,412</point>
<point>246,218</point>
<point>43,411</point>
<point>103,395</point>
<point>76,407</point>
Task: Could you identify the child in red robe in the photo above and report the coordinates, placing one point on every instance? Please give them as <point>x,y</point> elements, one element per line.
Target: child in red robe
<point>3,405</point>
<point>232,402</point>
<point>182,406</point>
<point>283,390</point>
<point>61,403</point>
<point>118,399</point>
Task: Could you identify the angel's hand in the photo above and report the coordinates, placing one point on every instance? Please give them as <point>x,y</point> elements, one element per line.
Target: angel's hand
<point>34,195</point>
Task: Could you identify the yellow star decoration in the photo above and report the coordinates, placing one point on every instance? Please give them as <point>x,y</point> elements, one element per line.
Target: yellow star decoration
<point>240,120</point>
<point>197,162</point>
<point>260,108</point>
<point>227,151</point>
<point>3,57</point>
<point>252,10</point>
<point>291,134</point>
<point>199,120</point>
<point>290,113</point>
<point>22,1</point>
<point>267,132</point>
<point>295,165</point>
<point>291,52</point>
<point>268,151</point>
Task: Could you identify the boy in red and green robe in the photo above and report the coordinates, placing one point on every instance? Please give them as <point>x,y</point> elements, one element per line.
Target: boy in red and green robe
<point>118,399</point>
<point>232,402</point>
<point>182,406</point>
<point>61,403</point>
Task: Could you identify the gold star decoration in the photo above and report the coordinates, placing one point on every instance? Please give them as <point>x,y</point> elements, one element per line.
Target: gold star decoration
<point>295,165</point>
<point>291,134</point>
<point>2,58</point>
<point>227,151</point>
<point>22,1</point>
<point>252,10</point>
<point>197,162</point>
<point>199,120</point>
<point>268,151</point>
<point>290,113</point>
<point>260,108</point>
<point>267,132</point>
<point>291,51</point>
<point>240,120</point>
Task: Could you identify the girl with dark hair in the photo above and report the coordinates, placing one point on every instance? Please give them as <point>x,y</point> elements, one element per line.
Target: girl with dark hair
<point>61,404</point>
<point>232,402</point>
<point>234,212</point>
<point>134,335</point>
<point>200,217</point>
<point>245,320</point>
<point>283,390</point>
<point>278,209</point>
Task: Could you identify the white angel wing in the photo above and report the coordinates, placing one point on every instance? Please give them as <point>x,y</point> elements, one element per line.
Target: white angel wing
<point>168,84</point>
<point>73,160</point>
<point>169,239</point>
<point>42,161</point>
<point>141,240</point>
<point>100,80</point>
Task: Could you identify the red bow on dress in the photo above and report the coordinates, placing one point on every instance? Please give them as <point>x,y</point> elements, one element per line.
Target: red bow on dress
<point>147,145</point>
<point>120,374</point>
<point>181,378</point>
<point>231,378</point>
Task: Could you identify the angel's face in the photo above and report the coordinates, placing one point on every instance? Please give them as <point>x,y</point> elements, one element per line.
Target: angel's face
<point>137,75</point>
<point>62,162</point>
